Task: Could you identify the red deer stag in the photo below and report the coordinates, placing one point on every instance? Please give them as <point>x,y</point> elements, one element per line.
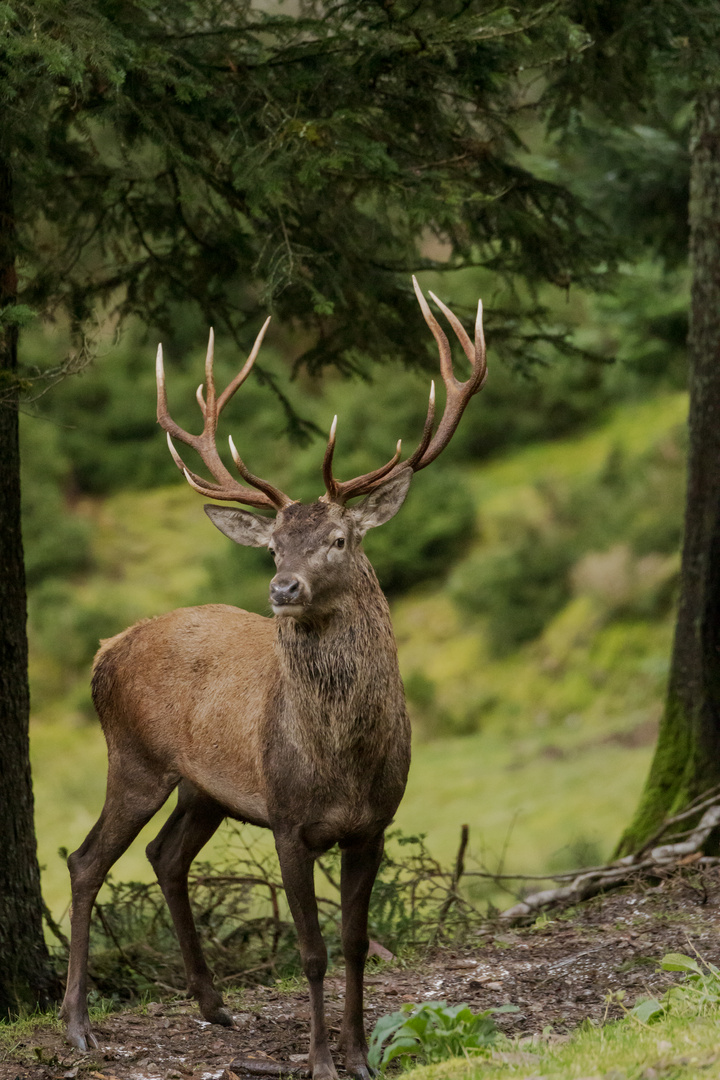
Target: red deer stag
<point>295,723</point>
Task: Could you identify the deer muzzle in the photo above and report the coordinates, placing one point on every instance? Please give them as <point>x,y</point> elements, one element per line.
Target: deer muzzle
<point>289,594</point>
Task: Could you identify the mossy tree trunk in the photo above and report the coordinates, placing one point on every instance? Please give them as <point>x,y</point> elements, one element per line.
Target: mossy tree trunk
<point>687,758</point>
<point>24,964</point>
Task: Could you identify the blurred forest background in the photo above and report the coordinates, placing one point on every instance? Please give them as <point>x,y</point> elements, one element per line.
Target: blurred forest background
<point>533,571</point>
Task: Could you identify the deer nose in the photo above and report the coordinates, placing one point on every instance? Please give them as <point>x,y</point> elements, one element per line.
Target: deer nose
<point>284,589</point>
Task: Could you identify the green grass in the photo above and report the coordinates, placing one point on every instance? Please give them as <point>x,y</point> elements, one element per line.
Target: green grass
<point>14,1031</point>
<point>532,811</point>
<point>556,736</point>
<point>677,1048</point>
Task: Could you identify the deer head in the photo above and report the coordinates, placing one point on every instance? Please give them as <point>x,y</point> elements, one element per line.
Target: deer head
<point>316,547</point>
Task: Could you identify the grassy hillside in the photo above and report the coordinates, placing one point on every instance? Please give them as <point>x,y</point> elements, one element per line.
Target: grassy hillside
<point>538,735</point>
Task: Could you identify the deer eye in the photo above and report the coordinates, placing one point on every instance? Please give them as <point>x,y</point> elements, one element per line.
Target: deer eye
<point>340,542</point>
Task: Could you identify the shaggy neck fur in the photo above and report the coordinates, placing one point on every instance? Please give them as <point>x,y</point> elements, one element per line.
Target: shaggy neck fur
<point>340,672</point>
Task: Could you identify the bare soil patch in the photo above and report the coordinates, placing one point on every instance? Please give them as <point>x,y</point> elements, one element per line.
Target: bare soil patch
<point>557,972</point>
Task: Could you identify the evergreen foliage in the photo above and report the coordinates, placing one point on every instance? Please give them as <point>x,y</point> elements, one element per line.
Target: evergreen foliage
<point>242,160</point>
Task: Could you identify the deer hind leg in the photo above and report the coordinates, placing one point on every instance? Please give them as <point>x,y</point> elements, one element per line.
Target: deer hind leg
<point>134,794</point>
<point>187,830</point>
<point>358,872</point>
<point>297,866</point>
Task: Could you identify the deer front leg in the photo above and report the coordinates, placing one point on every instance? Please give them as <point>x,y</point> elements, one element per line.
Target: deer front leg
<point>359,869</point>
<point>297,866</point>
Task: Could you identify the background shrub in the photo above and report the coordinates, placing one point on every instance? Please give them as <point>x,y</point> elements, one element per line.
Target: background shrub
<point>518,589</point>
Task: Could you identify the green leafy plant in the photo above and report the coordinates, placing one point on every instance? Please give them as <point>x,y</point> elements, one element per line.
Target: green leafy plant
<point>698,994</point>
<point>432,1032</point>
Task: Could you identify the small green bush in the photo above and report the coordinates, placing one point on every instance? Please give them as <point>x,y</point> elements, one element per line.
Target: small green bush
<point>420,690</point>
<point>432,1032</point>
<point>56,544</point>
<point>581,851</point>
<point>239,576</point>
<point>56,541</point>
<point>639,499</point>
<point>68,630</point>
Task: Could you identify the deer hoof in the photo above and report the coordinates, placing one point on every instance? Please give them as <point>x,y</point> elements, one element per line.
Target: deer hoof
<point>363,1072</point>
<point>80,1036</point>
<point>220,1015</point>
<point>324,1072</point>
<point>322,1065</point>
<point>224,1017</point>
<point>213,1007</point>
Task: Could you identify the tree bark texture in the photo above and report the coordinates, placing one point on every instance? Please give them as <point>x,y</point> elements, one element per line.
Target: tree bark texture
<point>24,964</point>
<point>687,758</point>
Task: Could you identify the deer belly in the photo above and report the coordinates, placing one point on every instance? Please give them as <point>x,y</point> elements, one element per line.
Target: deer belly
<point>342,824</point>
<point>237,790</point>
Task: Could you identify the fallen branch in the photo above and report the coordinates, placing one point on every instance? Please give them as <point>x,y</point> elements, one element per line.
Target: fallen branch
<point>656,861</point>
<point>708,799</point>
<point>671,852</point>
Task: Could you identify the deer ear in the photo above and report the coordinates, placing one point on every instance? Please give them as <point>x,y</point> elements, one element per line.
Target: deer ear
<point>383,503</point>
<point>250,530</point>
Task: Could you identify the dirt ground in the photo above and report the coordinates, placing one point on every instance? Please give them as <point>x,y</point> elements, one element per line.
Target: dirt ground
<point>557,972</point>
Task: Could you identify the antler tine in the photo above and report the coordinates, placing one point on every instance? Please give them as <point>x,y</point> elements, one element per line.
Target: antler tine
<point>192,478</point>
<point>443,344</point>
<point>347,489</point>
<point>458,393</point>
<point>204,487</point>
<point>460,331</point>
<point>457,396</point>
<point>331,483</point>
<point>341,492</point>
<point>210,410</point>
<point>245,370</point>
<point>277,498</point>
<point>480,337</point>
<point>226,488</point>
<point>427,430</point>
<point>163,416</point>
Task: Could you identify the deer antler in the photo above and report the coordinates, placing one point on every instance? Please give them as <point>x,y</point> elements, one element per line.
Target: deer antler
<point>458,395</point>
<point>227,488</point>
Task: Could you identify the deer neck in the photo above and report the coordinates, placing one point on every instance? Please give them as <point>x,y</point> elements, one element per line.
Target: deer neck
<point>340,672</point>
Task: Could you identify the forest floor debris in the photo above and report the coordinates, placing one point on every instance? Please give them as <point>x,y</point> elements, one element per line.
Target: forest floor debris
<point>559,971</point>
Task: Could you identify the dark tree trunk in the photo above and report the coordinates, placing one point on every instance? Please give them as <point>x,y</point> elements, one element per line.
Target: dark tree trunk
<point>687,759</point>
<point>24,963</point>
